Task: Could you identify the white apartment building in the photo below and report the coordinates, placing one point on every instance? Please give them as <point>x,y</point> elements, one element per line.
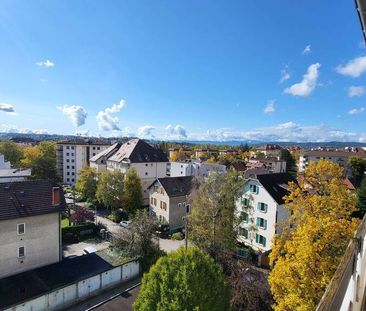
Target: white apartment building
<point>194,168</point>
<point>99,161</point>
<point>339,157</point>
<point>150,163</point>
<point>8,174</point>
<point>73,155</point>
<point>261,208</point>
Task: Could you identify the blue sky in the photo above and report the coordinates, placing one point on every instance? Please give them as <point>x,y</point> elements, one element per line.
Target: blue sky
<point>184,69</point>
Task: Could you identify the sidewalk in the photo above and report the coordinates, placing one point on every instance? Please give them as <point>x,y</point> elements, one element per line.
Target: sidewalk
<point>94,300</point>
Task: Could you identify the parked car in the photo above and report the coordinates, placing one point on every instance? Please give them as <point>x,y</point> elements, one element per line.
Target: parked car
<point>69,196</point>
<point>125,223</point>
<point>89,250</point>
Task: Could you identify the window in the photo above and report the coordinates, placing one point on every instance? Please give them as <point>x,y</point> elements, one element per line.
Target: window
<point>21,252</point>
<point>73,167</point>
<point>146,164</point>
<point>72,180</point>
<point>243,232</point>
<point>152,201</point>
<point>68,179</point>
<point>68,166</point>
<point>155,202</point>
<point>263,207</point>
<point>244,216</point>
<point>253,189</point>
<point>21,228</point>
<point>72,173</point>
<point>188,207</point>
<point>179,205</point>
<point>56,196</point>
<point>146,173</point>
<point>67,154</point>
<point>163,205</point>
<point>93,148</point>
<point>72,160</point>
<point>262,223</point>
<point>67,160</point>
<point>72,147</point>
<point>98,148</point>
<point>68,173</point>
<point>260,239</point>
<point>245,202</point>
<point>67,147</point>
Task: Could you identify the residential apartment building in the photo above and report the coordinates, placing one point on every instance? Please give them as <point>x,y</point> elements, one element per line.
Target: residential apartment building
<point>273,165</point>
<point>73,155</point>
<point>8,174</point>
<point>261,208</point>
<point>150,163</point>
<point>30,225</point>
<point>169,200</point>
<point>270,150</point>
<point>194,168</point>
<point>99,161</point>
<point>337,156</point>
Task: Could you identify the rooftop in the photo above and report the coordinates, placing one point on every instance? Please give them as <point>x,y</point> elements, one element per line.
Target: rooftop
<point>176,186</point>
<point>106,152</point>
<point>28,198</point>
<point>137,151</point>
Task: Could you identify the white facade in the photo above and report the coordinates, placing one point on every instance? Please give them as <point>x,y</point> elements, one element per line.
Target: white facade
<point>197,169</point>
<point>258,226</point>
<point>4,164</point>
<point>8,174</point>
<point>272,164</point>
<point>71,158</point>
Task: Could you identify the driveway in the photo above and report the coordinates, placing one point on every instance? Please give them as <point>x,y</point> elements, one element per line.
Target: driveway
<point>77,248</point>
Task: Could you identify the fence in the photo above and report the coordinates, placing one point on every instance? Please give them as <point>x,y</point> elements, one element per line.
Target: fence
<point>68,295</point>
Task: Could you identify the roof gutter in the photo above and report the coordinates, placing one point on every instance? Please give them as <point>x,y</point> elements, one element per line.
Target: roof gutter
<point>361,11</point>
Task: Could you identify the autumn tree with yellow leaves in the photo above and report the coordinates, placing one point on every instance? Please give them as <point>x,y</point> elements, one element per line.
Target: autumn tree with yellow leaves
<point>307,252</point>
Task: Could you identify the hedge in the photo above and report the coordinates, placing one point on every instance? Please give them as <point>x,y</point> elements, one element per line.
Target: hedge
<point>74,234</point>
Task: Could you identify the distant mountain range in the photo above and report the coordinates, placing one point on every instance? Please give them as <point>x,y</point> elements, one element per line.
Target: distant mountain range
<point>306,145</point>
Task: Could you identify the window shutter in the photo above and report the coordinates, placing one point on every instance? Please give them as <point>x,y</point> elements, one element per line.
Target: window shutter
<point>259,206</point>
<point>257,189</point>
<point>264,241</point>
<point>258,222</point>
<point>265,208</point>
<point>265,224</point>
<point>256,237</point>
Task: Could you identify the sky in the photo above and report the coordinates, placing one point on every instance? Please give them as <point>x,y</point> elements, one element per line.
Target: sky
<point>184,70</point>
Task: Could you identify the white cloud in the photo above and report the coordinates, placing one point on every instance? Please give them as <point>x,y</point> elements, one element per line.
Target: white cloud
<point>106,121</point>
<point>289,131</point>
<point>354,68</point>
<point>176,132</point>
<point>307,50</point>
<point>7,108</point>
<point>7,128</point>
<point>356,111</point>
<point>77,114</point>
<point>270,108</point>
<point>356,91</point>
<point>285,75</point>
<point>308,83</point>
<point>46,63</point>
<point>144,131</point>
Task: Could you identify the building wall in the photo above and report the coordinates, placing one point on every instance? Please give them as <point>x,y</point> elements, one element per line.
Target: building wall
<point>177,210</point>
<point>161,196</point>
<point>305,160</point>
<point>179,169</point>
<point>4,164</point>
<point>264,197</point>
<point>42,243</point>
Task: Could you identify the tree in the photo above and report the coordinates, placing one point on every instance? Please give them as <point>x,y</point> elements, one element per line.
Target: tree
<point>41,159</point>
<point>361,200</point>
<point>110,189</point>
<point>358,167</point>
<point>184,280</point>
<point>11,152</point>
<point>136,242</point>
<point>132,195</point>
<point>81,215</point>
<point>213,221</point>
<point>307,252</point>
<point>87,183</point>
<point>291,167</point>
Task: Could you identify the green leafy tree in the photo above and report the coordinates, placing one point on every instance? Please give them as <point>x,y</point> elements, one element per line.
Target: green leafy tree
<point>12,152</point>
<point>132,195</point>
<point>41,159</point>
<point>291,167</point>
<point>213,221</point>
<point>184,280</point>
<point>358,167</point>
<point>110,189</point>
<point>87,183</point>
<point>137,241</point>
<point>361,200</point>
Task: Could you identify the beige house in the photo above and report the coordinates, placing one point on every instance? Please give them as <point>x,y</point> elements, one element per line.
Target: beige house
<point>30,230</point>
<point>169,200</point>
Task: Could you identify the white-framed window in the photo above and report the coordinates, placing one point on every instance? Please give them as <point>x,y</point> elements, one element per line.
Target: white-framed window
<point>245,202</point>
<point>21,252</point>
<point>21,228</point>
<point>260,239</point>
<point>188,208</point>
<point>254,188</point>
<point>262,223</point>
<point>263,207</point>
<point>179,205</point>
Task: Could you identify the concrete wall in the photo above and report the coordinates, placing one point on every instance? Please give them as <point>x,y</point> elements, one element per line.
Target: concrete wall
<point>67,296</point>
<point>177,210</point>
<point>41,241</point>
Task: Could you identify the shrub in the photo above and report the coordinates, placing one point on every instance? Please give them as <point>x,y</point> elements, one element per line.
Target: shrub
<point>177,236</point>
<point>76,233</point>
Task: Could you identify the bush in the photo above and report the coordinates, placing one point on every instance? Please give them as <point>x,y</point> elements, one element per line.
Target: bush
<point>118,215</point>
<point>79,232</point>
<point>177,236</point>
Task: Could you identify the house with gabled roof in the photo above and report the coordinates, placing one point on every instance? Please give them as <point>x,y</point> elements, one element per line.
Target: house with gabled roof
<point>262,209</point>
<point>169,200</point>
<point>30,225</point>
<point>149,162</point>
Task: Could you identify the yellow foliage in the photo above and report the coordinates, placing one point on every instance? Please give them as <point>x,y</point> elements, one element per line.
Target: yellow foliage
<point>306,254</point>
